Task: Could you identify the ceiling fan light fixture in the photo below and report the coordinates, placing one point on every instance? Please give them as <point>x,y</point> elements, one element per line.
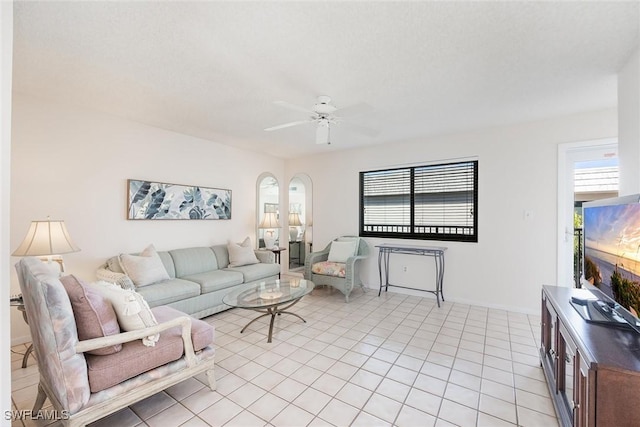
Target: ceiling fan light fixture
<point>323,132</point>
<point>324,114</point>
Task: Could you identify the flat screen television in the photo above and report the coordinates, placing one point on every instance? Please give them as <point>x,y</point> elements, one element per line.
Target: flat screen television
<point>611,263</point>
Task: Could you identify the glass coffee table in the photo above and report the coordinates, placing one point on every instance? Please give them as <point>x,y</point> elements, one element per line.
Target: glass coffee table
<point>271,298</point>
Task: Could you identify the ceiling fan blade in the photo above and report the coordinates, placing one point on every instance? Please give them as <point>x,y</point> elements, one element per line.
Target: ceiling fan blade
<point>354,110</point>
<point>288,125</point>
<point>322,133</point>
<point>363,130</point>
<point>293,106</point>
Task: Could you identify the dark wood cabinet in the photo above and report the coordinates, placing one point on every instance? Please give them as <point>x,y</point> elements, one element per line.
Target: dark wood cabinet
<point>593,370</point>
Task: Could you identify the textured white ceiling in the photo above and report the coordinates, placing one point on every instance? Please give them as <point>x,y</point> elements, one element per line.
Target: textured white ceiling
<point>213,69</point>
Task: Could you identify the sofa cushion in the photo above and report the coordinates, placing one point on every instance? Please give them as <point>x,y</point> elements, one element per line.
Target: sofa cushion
<point>94,315</point>
<point>144,269</point>
<point>135,359</point>
<point>167,261</point>
<point>241,253</point>
<point>169,291</point>
<point>190,261</point>
<point>255,272</point>
<point>222,255</point>
<point>215,280</point>
<point>328,268</point>
<point>132,310</point>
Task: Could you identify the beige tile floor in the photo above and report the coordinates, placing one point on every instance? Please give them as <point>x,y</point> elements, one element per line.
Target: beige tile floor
<point>376,361</point>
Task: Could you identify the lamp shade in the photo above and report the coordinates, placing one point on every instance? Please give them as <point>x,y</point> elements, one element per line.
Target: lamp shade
<point>294,219</point>
<point>270,220</point>
<point>46,238</point>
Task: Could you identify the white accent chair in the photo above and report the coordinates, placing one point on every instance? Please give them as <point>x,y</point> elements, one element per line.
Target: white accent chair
<point>342,276</point>
<point>66,367</point>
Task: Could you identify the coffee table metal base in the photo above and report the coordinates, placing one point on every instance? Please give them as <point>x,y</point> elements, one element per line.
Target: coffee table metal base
<point>273,311</point>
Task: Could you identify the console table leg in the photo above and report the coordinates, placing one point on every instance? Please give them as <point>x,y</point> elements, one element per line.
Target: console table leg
<point>380,271</point>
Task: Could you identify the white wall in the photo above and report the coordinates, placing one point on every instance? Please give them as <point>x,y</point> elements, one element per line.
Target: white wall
<point>73,164</point>
<point>629,125</point>
<point>517,173</point>
<point>6,51</point>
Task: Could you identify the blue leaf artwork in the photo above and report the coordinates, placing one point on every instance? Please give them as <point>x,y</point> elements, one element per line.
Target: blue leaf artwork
<point>158,200</point>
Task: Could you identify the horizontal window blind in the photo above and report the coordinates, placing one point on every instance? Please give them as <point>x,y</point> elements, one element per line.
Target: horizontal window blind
<point>434,202</point>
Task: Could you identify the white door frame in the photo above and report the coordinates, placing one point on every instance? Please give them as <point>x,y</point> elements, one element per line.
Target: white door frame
<point>568,154</point>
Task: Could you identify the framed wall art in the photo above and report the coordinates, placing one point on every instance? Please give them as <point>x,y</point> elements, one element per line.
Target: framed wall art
<point>159,200</point>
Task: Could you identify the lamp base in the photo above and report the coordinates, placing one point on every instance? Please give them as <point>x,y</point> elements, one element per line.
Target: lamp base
<point>269,242</point>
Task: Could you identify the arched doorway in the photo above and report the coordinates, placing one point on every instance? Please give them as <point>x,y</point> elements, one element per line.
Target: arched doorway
<point>268,220</point>
<point>300,220</point>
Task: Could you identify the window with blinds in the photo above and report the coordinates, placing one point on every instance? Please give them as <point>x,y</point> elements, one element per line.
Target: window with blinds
<point>431,202</point>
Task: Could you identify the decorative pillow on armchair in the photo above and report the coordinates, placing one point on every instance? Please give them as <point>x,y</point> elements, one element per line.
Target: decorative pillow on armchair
<point>132,310</point>
<point>340,251</point>
<point>94,315</point>
<point>144,269</point>
<point>241,254</point>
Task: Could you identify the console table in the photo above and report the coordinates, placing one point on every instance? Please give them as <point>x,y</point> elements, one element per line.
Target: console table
<point>435,252</point>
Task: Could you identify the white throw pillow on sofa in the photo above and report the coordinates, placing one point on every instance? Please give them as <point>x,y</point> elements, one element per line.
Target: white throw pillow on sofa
<point>241,253</point>
<point>144,269</point>
<point>131,309</point>
<point>340,251</point>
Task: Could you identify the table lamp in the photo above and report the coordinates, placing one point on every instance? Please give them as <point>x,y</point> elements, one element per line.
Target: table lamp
<point>269,223</point>
<point>294,223</point>
<point>47,240</point>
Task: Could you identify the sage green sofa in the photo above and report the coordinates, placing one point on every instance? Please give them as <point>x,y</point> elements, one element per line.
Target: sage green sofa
<point>199,277</point>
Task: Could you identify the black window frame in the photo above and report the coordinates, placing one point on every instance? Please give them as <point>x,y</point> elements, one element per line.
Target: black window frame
<point>437,232</point>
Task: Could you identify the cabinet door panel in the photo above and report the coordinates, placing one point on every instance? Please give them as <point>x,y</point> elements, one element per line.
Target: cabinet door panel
<point>549,337</point>
<point>567,362</point>
<point>583,416</point>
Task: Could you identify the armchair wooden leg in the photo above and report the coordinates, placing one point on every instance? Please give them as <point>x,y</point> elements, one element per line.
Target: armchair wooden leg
<point>212,379</point>
<point>42,396</point>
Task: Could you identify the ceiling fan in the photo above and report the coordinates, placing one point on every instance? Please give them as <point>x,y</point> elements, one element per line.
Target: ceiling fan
<point>324,115</point>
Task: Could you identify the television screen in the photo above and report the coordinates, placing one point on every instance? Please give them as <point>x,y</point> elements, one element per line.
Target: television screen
<point>612,249</point>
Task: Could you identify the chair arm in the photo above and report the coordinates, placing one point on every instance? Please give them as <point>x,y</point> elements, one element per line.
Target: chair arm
<point>352,259</point>
<point>350,265</point>
<point>313,258</point>
<point>184,322</point>
<point>265,257</point>
<point>119,279</point>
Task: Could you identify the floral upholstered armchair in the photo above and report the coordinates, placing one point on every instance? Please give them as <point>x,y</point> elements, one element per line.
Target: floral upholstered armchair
<point>87,378</point>
<point>338,265</point>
